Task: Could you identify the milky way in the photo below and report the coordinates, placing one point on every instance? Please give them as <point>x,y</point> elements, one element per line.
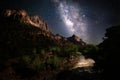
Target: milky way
<point>72,16</point>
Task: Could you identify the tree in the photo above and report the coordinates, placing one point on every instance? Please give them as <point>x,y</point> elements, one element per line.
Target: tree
<point>89,50</point>
<point>110,49</point>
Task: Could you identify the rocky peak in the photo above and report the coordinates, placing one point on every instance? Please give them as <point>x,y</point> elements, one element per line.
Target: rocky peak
<point>76,40</point>
<point>10,12</point>
<point>76,37</point>
<point>39,22</point>
<point>20,15</point>
<point>23,17</point>
<point>37,19</point>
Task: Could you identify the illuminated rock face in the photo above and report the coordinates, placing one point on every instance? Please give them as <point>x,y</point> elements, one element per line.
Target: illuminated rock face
<point>23,17</point>
<point>38,21</point>
<point>19,15</point>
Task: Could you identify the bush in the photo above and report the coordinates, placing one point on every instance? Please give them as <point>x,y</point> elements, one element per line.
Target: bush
<point>37,63</point>
<point>69,49</point>
<point>55,49</point>
<point>53,62</point>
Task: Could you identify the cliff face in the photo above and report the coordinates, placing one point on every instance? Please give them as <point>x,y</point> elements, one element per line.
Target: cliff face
<point>23,17</point>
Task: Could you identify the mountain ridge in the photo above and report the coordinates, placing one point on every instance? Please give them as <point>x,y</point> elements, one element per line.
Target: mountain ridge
<point>22,17</point>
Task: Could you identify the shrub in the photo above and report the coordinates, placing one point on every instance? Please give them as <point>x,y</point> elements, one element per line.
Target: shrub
<point>53,62</point>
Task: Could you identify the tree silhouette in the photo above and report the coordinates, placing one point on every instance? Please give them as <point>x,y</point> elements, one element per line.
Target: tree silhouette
<point>110,49</point>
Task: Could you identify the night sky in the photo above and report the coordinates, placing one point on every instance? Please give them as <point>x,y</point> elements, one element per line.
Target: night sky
<point>87,19</point>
